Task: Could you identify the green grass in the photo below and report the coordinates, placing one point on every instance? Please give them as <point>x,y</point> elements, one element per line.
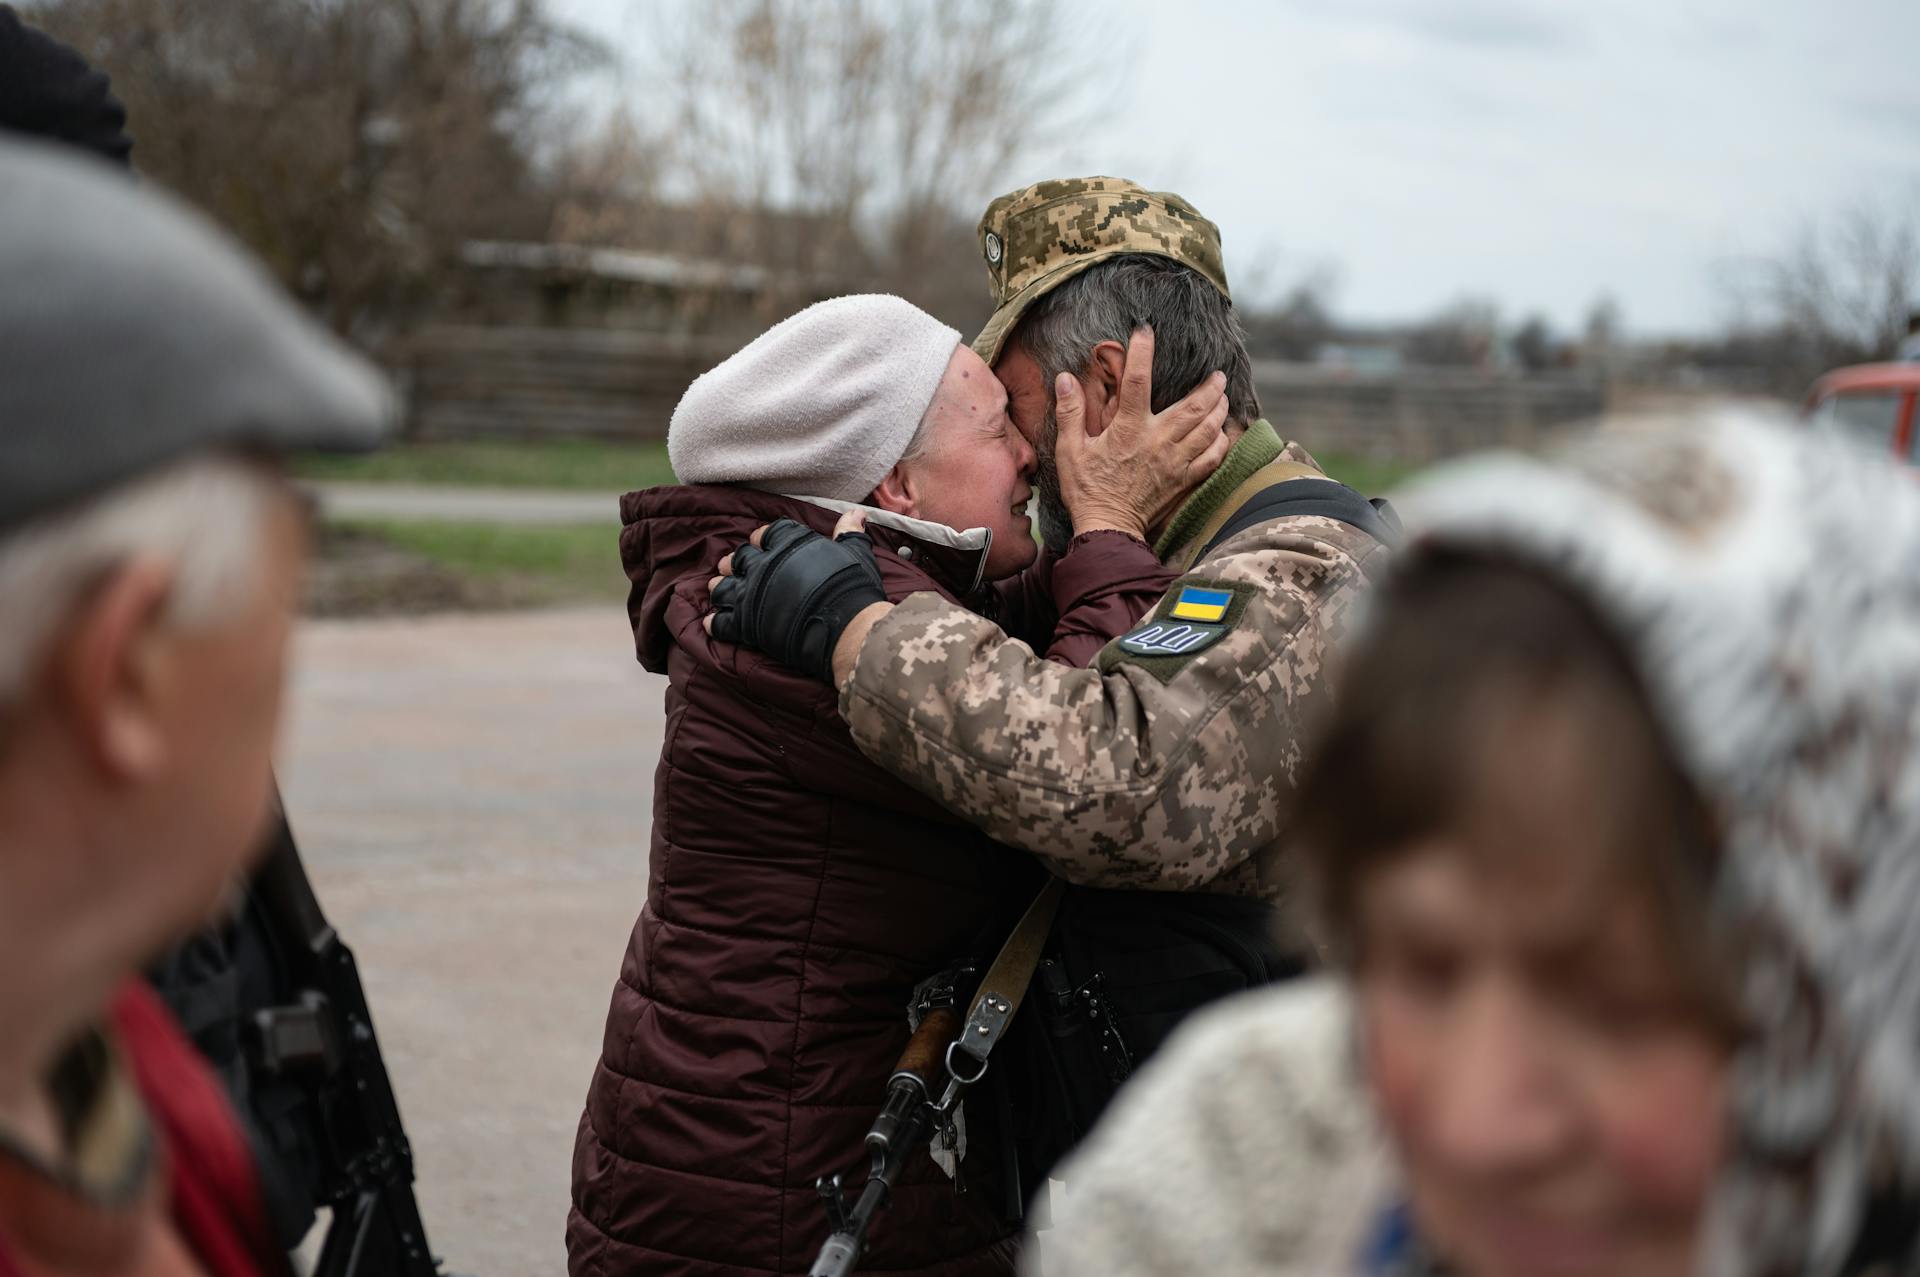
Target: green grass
<point>538,563</point>
<point>1374,478</point>
<point>549,562</point>
<point>588,464</point>
<point>514,565</point>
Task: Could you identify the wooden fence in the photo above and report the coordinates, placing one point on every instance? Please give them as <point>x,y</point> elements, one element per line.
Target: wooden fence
<point>525,383</point>
<point>1421,415</point>
<point>528,383</point>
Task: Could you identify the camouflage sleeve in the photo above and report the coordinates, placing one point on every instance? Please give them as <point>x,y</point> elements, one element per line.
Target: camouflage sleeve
<point>1154,769</point>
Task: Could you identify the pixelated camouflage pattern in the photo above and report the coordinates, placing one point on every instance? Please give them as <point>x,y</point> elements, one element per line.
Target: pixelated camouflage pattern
<point>1037,238</point>
<point>1121,779</point>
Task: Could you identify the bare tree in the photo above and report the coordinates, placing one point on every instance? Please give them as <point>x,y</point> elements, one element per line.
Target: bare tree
<point>1600,336</point>
<point>893,119</point>
<point>1464,334</point>
<point>602,182</point>
<point>1534,345</point>
<point>1838,292</point>
<point>1298,325</point>
<point>354,144</point>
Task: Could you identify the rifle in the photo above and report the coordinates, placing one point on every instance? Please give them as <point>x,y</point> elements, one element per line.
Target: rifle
<point>943,1057</point>
<point>324,1040</point>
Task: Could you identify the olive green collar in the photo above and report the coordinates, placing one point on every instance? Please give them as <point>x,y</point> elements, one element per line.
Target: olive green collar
<point>1259,446</point>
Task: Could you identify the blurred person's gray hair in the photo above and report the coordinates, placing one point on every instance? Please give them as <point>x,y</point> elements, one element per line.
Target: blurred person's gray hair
<point>1196,330</point>
<point>204,515</point>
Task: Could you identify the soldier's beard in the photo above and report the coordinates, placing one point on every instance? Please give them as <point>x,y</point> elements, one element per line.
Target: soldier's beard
<point>1056,525</point>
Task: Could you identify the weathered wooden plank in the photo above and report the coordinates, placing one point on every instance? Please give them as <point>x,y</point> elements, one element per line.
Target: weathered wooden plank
<point>540,382</point>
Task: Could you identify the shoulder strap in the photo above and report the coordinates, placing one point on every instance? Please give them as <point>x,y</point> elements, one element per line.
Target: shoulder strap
<point>1004,986</point>
<point>1265,477</point>
<point>1318,497</point>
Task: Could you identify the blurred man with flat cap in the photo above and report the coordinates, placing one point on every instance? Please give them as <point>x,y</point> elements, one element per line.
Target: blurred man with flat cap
<point>150,560</point>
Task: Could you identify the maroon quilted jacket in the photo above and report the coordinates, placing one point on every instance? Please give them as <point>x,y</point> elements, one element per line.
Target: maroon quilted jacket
<point>795,894</point>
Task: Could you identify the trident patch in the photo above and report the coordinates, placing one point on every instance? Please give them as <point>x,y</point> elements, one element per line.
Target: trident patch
<point>1171,638</point>
<point>1188,621</point>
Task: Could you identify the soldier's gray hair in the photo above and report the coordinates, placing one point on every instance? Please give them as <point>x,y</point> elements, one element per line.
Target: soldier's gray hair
<point>1196,330</point>
<point>206,515</point>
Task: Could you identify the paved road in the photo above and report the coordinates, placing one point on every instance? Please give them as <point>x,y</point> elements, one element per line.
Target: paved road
<point>472,795</point>
<point>458,503</point>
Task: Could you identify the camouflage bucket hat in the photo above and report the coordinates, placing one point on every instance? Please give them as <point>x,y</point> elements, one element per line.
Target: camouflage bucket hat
<point>1041,236</point>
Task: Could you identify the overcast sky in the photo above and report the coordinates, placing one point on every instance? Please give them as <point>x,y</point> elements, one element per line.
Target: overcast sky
<point>1541,152</point>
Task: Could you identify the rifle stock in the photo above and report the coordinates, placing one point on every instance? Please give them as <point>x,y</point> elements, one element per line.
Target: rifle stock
<point>927,1069</point>
<point>903,1124</point>
<point>926,1053</point>
<point>326,1038</point>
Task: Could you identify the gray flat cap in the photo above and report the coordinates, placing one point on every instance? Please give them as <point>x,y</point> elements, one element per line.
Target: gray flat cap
<point>133,334</point>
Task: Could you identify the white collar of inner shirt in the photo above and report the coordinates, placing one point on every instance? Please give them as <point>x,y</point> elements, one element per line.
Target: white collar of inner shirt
<point>977,541</point>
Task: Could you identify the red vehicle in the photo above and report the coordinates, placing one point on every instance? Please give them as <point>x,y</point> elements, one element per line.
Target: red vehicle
<point>1872,403</point>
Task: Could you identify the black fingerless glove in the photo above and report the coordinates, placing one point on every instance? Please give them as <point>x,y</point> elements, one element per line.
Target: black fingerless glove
<point>794,595</point>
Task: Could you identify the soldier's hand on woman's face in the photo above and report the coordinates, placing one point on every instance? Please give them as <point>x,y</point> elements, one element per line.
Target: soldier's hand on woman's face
<point>1135,473</point>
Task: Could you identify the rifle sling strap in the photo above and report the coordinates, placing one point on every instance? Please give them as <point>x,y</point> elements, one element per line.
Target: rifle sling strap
<point>1005,984</point>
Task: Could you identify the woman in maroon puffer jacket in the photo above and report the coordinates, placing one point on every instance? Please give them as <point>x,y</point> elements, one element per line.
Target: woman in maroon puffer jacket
<point>796,893</point>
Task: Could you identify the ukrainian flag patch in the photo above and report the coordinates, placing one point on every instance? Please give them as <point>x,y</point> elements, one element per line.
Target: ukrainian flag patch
<point>1189,619</point>
<point>1197,604</point>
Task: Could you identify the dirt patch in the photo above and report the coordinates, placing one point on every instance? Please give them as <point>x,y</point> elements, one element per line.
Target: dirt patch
<point>356,573</point>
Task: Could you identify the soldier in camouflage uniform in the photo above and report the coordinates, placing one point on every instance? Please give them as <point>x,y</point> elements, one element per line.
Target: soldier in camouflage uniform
<point>1170,763</point>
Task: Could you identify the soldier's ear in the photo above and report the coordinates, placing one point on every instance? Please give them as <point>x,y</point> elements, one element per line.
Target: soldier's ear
<point>898,492</point>
<point>1105,367</point>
